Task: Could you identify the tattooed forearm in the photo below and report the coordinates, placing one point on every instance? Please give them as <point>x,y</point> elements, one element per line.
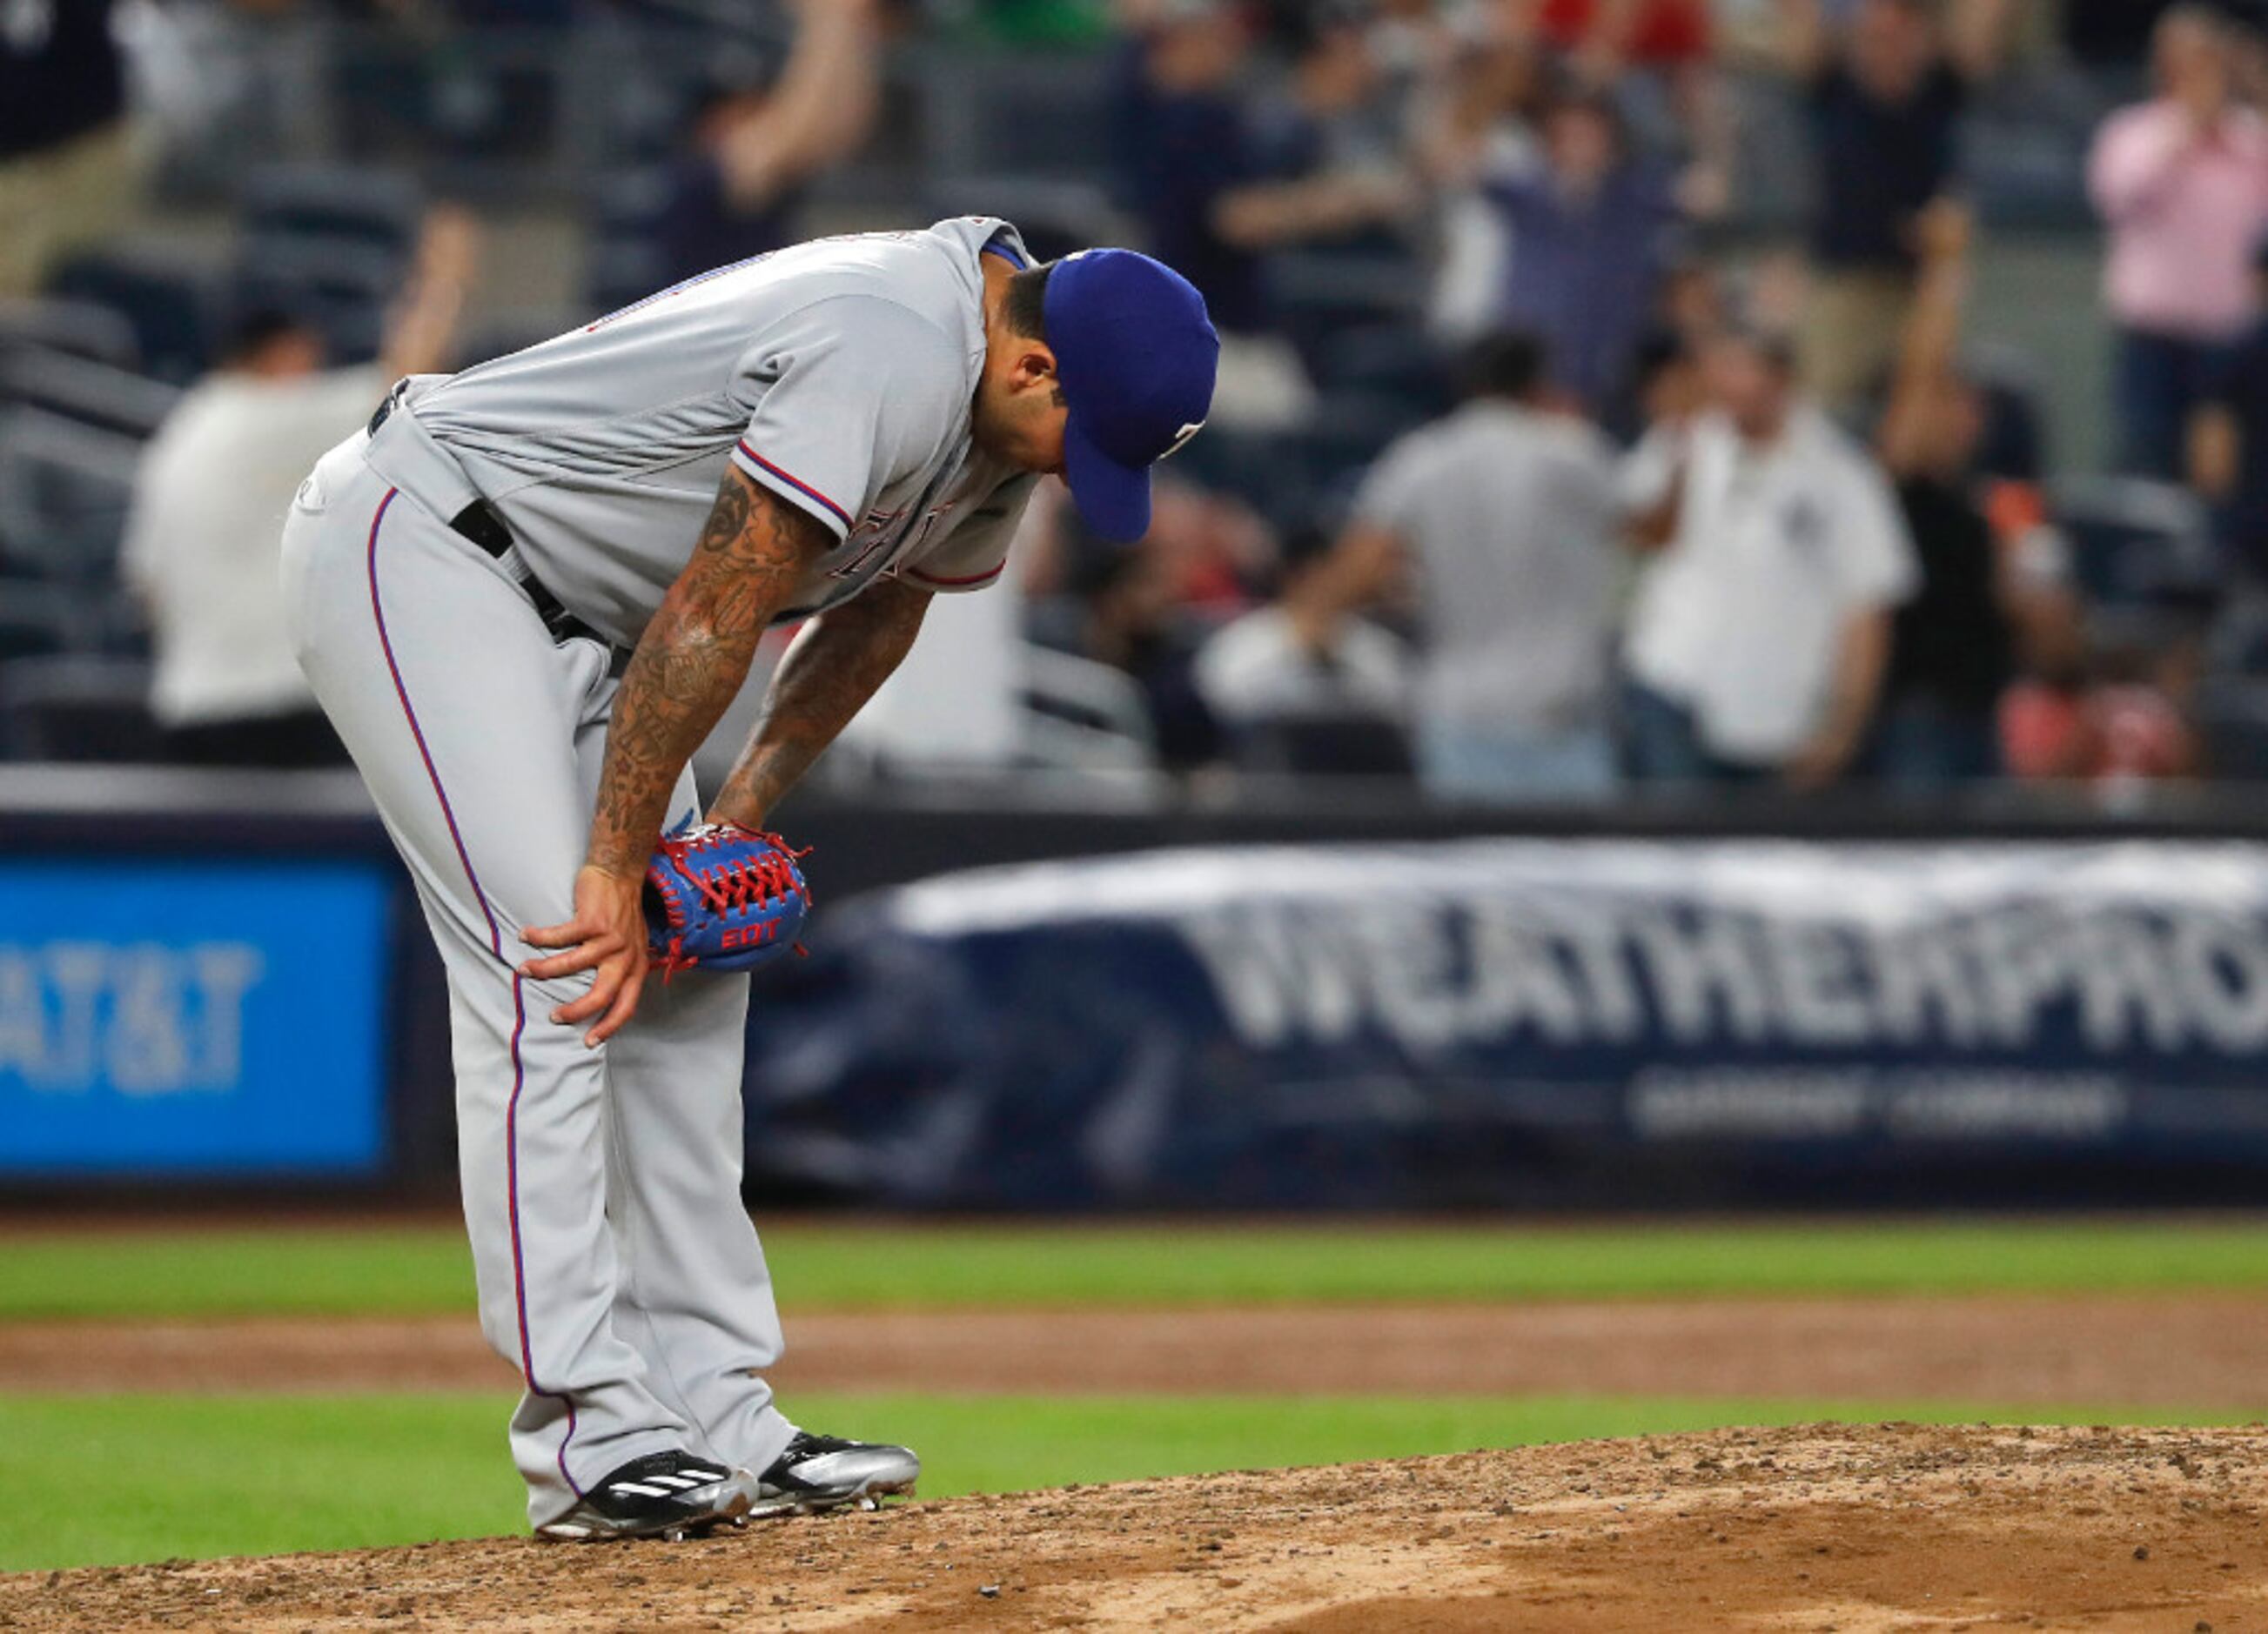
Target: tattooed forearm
<point>828,675</point>
<point>692,658</point>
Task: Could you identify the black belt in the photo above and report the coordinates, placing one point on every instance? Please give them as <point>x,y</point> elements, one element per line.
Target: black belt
<point>479,522</point>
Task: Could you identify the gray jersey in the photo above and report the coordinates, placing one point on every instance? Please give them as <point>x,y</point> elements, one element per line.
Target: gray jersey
<point>1511,515</point>
<point>839,374</point>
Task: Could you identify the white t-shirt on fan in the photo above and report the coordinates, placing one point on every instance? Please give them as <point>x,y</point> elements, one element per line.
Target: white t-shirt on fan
<point>207,522</point>
<point>1739,617</point>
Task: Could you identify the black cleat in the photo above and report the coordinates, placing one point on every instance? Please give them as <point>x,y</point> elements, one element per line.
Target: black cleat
<point>666,1495</point>
<point>823,1472</point>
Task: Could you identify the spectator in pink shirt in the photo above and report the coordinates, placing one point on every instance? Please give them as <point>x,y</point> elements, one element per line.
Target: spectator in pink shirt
<point>2183,182</point>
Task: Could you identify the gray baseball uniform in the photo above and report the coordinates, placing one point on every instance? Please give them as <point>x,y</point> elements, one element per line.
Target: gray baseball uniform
<point>616,1267</point>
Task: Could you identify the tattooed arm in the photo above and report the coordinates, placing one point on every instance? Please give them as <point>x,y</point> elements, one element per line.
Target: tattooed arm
<point>691,660</point>
<point>828,675</point>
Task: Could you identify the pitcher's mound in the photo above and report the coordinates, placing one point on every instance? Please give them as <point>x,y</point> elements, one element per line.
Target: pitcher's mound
<point>1897,1527</point>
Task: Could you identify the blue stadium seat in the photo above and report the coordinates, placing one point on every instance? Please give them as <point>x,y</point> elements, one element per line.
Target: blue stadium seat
<point>39,621</point>
<point>173,302</point>
<point>1325,746</point>
<point>342,285</point>
<point>2232,716</point>
<point>381,208</point>
<point>1025,113</point>
<point>2137,542</point>
<point>77,328</point>
<point>1267,470</point>
<point>2238,645</point>
<point>333,243</point>
<point>64,490</point>
<point>88,393</point>
<point>77,709</point>
<point>623,261</point>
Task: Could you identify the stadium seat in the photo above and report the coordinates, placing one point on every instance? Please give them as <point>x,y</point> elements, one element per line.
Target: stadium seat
<point>1029,115</point>
<point>379,209</point>
<point>171,301</point>
<point>2137,542</point>
<point>89,394</point>
<point>1325,746</point>
<point>1352,429</point>
<point>333,243</point>
<point>1395,361</point>
<point>2238,645</point>
<point>1267,470</point>
<point>77,328</point>
<point>623,261</point>
<point>77,709</point>
<point>2232,716</point>
<point>1323,293</point>
<point>64,490</point>
<point>115,626</point>
<point>341,285</point>
<point>39,621</point>
<point>1080,714</point>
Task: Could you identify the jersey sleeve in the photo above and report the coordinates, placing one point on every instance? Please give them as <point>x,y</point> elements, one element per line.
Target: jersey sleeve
<point>852,393</point>
<point>973,556</point>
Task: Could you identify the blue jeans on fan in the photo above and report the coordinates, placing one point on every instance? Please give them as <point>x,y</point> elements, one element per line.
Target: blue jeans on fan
<point>1921,744</point>
<point>1499,766</point>
<point>2160,379</point>
<point>1662,743</point>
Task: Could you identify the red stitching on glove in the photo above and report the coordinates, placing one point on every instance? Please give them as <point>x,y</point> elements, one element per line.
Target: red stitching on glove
<point>749,882</point>
<point>736,885</point>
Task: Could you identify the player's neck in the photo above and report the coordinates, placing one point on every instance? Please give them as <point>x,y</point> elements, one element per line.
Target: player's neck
<point>997,273</point>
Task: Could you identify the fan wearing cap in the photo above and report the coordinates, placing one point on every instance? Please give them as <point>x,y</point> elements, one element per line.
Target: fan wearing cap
<point>524,595</point>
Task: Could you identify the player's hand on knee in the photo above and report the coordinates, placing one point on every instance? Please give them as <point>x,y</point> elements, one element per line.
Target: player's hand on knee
<point>607,935</point>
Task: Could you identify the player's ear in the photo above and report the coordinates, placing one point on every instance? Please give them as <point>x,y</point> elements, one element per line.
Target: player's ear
<point>1036,367</point>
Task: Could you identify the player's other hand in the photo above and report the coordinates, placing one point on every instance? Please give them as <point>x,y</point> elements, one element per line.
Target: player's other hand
<point>607,935</point>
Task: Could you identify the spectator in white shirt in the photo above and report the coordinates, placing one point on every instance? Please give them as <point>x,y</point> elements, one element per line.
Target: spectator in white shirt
<point>1758,639</point>
<point>1310,655</point>
<point>210,497</point>
<point>1507,510</point>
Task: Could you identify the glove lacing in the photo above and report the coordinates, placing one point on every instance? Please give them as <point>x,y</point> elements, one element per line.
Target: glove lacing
<point>742,882</point>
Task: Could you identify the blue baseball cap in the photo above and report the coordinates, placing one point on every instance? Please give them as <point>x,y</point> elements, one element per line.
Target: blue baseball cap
<point>1135,356</point>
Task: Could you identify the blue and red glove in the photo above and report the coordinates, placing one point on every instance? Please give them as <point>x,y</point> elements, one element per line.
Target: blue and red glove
<point>722,897</point>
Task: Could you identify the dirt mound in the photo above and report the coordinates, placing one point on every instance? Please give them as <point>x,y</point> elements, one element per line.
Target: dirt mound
<point>2196,1352</point>
<point>1855,1530</point>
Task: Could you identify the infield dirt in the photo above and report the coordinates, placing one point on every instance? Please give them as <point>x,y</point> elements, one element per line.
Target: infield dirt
<point>2181,1352</point>
<point>1853,1529</point>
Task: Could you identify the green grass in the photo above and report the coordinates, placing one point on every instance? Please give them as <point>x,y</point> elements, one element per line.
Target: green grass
<point>256,1474</point>
<point>414,1268</point>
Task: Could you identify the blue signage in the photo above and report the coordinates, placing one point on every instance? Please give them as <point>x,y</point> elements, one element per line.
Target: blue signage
<point>210,1019</point>
<point>1429,1025</point>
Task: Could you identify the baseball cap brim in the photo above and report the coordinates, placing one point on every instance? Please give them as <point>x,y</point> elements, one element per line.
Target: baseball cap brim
<point>1113,499</point>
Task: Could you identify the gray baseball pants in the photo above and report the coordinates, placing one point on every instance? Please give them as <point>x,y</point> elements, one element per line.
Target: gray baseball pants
<point>617,1268</point>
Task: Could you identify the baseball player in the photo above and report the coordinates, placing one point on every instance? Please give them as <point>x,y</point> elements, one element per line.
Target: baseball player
<point>524,596</point>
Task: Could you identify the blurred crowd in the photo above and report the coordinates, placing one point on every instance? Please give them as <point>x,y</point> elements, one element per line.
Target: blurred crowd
<point>1545,465</point>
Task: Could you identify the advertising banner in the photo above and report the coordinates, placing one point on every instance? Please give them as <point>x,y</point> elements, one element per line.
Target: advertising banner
<point>1496,1020</point>
<point>194,1019</point>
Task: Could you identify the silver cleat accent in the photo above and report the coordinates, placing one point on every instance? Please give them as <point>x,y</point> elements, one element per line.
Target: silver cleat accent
<point>820,1473</point>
